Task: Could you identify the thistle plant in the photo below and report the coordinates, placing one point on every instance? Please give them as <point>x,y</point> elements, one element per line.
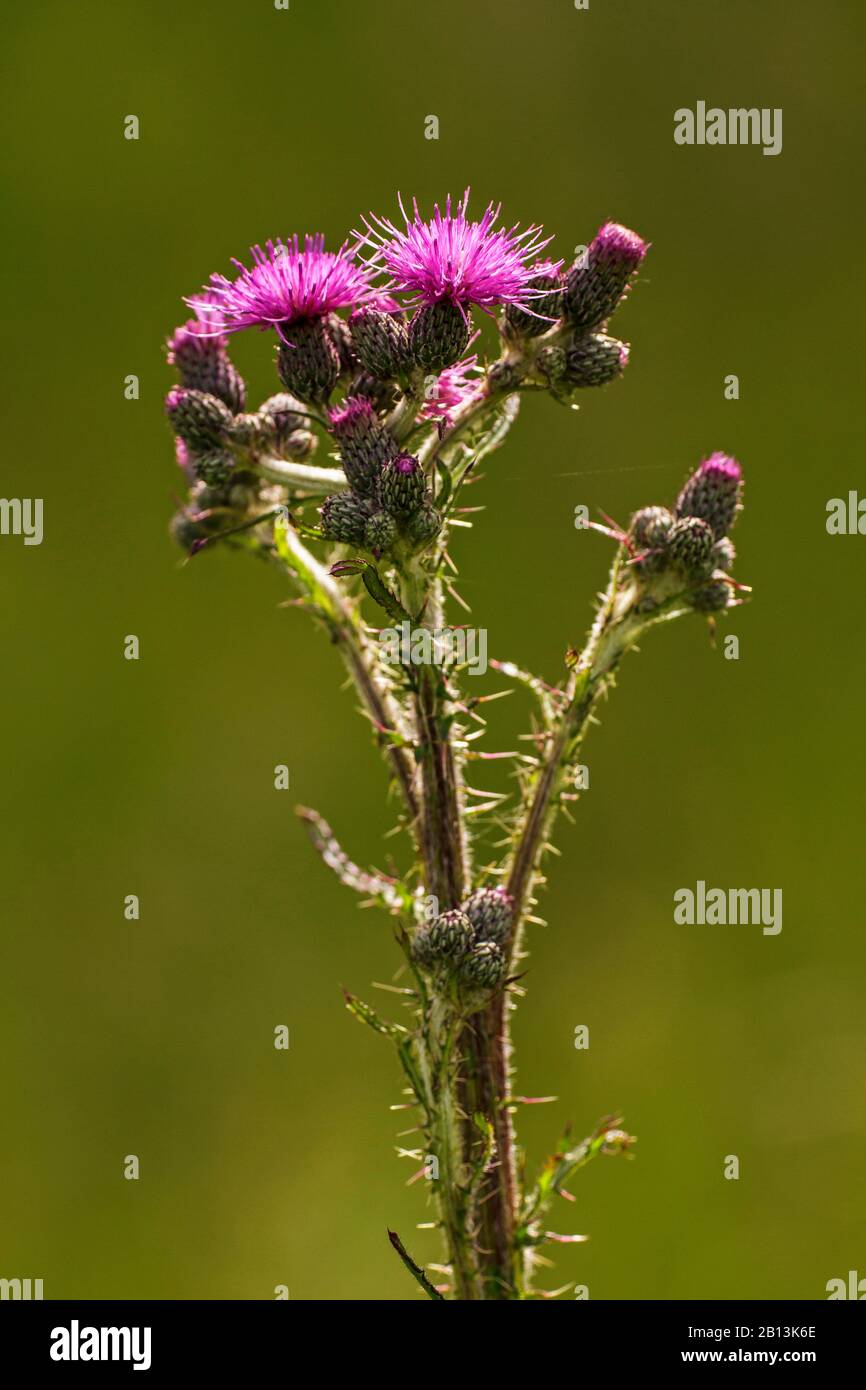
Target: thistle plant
<point>371,347</point>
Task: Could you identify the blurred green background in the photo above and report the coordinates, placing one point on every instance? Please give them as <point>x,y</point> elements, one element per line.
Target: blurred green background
<point>156,778</point>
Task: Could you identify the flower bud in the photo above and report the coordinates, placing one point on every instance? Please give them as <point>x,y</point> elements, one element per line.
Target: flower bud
<point>545,303</point>
<point>202,421</point>
<point>381,343</point>
<point>298,446</point>
<point>483,967</point>
<point>600,278</point>
<point>422,953</point>
<point>203,364</point>
<point>214,466</point>
<point>403,488</point>
<point>284,413</point>
<point>716,596</point>
<point>424,526</point>
<point>345,517</point>
<point>595,360</point>
<point>443,942</point>
<point>364,446</point>
<point>382,395</point>
<point>713,493</point>
<point>552,362</point>
<point>690,547</point>
<point>451,934</point>
<point>490,910</point>
<point>341,337</point>
<point>245,430</point>
<point>307,361</point>
<point>380,533</point>
<point>649,528</point>
<point>438,335</point>
<point>282,428</point>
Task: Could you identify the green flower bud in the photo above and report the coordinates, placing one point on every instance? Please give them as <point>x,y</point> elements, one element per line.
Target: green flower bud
<point>450,936</point>
<point>424,526</point>
<point>422,952</point>
<point>547,306</point>
<point>298,446</point>
<point>690,547</point>
<point>202,421</point>
<point>308,363</point>
<point>214,465</point>
<point>491,911</point>
<point>552,362</point>
<point>403,488</point>
<point>716,596</point>
<point>484,967</point>
<point>381,343</point>
<point>203,363</point>
<point>286,411</point>
<point>345,517</point>
<point>364,445</point>
<point>650,527</point>
<point>595,360</point>
<point>245,430</point>
<point>380,533</point>
<point>724,554</point>
<point>438,335</point>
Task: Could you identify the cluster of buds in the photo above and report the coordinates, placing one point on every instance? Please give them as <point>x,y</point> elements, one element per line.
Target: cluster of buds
<point>467,947</point>
<point>218,445</point>
<point>690,548</point>
<point>580,301</point>
<point>387,508</point>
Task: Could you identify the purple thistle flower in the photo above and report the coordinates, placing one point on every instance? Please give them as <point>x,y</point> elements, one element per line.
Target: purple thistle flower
<point>450,257</point>
<point>198,350</point>
<point>616,245</point>
<point>454,387</point>
<point>287,284</point>
<point>200,334</point>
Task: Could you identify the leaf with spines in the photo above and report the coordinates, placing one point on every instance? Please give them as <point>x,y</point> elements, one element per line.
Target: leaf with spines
<point>390,894</point>
<point>395,1031</point>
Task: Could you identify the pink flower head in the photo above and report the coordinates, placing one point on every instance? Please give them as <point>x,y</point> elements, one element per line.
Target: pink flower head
<point>451,258</point>
<point>616,245</point>
<point>355,414</point>
<point>286,284</point>
<point>199,334</point>
<point>454,387</point>
<point>713,493</point>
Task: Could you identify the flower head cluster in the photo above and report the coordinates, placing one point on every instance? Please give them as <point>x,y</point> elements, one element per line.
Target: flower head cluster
<point>287,283</point>
<point>469,944</point>
<point>690,547</point>
<point>387,508</point>
<point>453,258</point>
<point>399,362</point>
